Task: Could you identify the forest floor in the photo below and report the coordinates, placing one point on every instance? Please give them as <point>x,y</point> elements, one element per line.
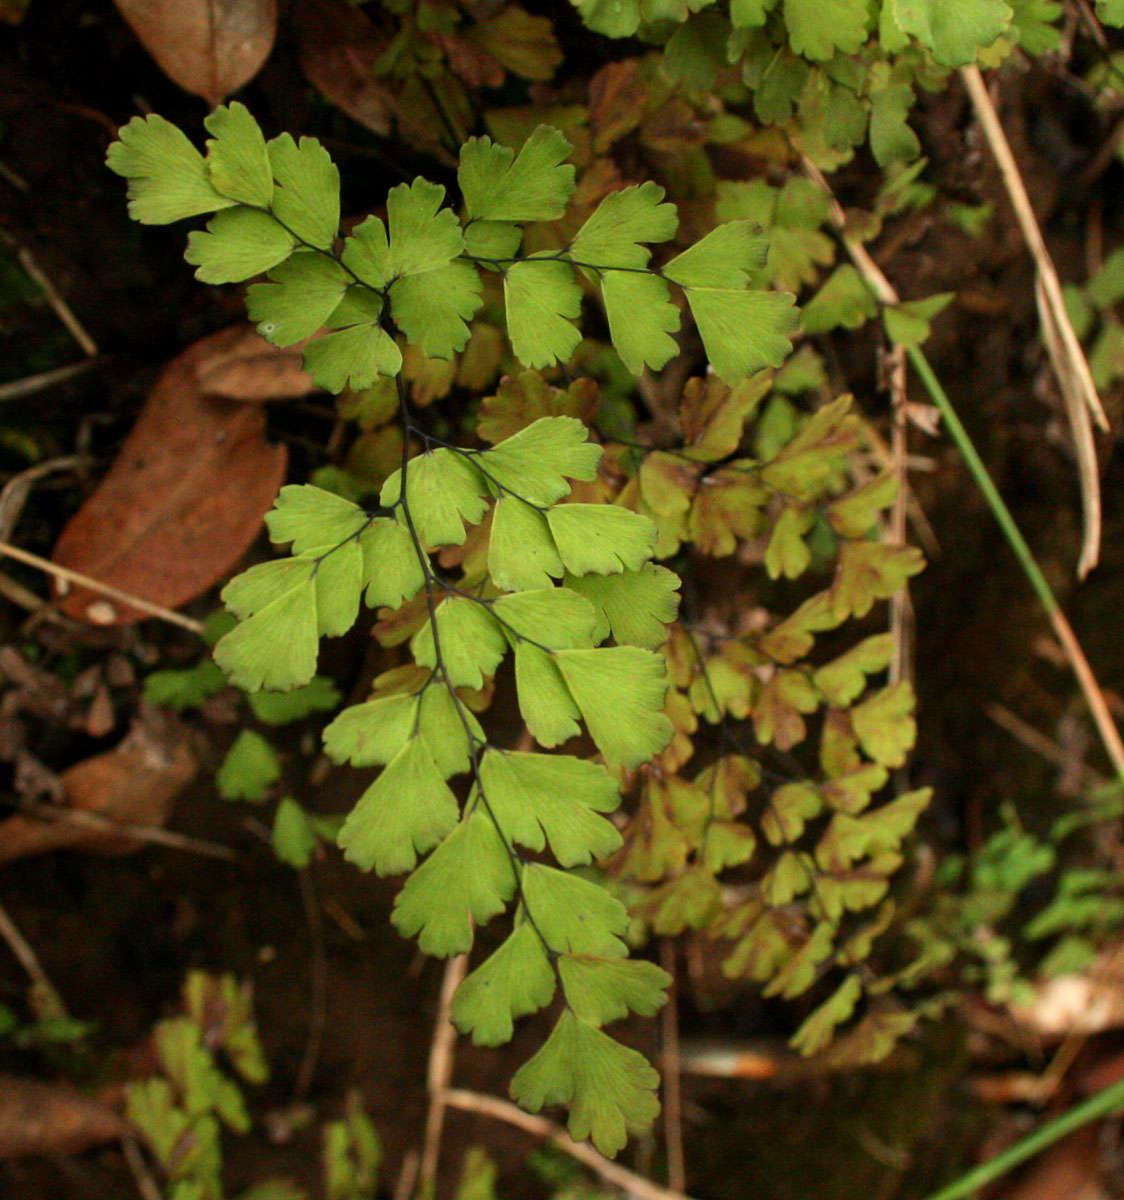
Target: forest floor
<point>116,935</point>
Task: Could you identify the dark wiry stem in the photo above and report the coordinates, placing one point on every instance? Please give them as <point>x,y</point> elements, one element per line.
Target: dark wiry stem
<point>475,745</point>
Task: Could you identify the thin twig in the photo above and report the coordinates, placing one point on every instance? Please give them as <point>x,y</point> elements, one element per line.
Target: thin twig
<point>31,384</point>
<point>502,1110</point>
<point>86,581</point>
<point>25,598</point>
<point>1033,739</point>
<point>318,988</point>
<point>54,297</point>
<point>1094,697</point>
<point>13,496</point>
<point>901,606</point>
<point>1104,157</point>
<point>922,527</point>
<point>46,993</point>
<point>1095,28</point>
<point>440,1070</point>
<point>672,1089</point>
<point>1062,344</point>
<point>146,1185</point>
<point>1110,1100</point>
<point>407,1176</point>
<point>17,181</point>
<point>884,290</point>
<point>142,833</point>
<point>1081,430</point>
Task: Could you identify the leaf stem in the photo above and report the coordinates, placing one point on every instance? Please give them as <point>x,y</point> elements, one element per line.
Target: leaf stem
<point>1099,1105</point>
<point>502,1110</point>
<point>472,456</point>
<point>1094,697</point>
<point>562,256</point>
<point>887,295</point>
<point>474,744</point>
<point>106,589</point>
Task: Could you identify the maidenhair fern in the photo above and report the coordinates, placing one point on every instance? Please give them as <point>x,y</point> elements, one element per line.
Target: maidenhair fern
<point>834,74</point>
<point>553,583</point>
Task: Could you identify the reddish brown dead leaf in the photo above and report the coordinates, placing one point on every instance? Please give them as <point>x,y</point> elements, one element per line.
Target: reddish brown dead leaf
<point>1069,1170</point>
<point>242,365</point>
<point>338,46</point>
<point>181,503</point>
<point>51,1118</point>
<point>208,47</point>
<point>524,44</point>
<point>471,62</point>
<point>13,11</point>
<point>135,783</point>
<point>616,102</point>
<point>99,718</point>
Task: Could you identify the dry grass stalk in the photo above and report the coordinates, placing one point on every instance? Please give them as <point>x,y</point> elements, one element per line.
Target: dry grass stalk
<point>1068,359</point>
<point>87,581</point>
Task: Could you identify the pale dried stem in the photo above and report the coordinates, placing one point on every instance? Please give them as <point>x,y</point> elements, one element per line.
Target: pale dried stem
<point>26,599</point>
<point>141,833</point>
<point>1095,28</point>
<point>17,181</point>
<point>1081,430</point>
<point>318,987</point>
<point>105,589</point>
<point>440,1070</point>
<point>1091,690</point>
<point>502,1110</point>
<point>31,384</point>
<point>922,527</point>
<point>407,1176</point>
<point>1094,697</point>
<point>54,297</point>
<point>672,1085</point>
<point>14,494</point>
<point>146,1184</point>
<point>20,947</point>
<point>1062,344</point>
<point>901,607</point>
<point>1033,739</point>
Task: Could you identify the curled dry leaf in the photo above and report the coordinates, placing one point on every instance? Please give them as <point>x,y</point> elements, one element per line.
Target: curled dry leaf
<point>188,491</point>
<point>616,102</point>
<point>242,365</point>
<point>135,783</point>
<point>338,46</point>
<point>208,47</point>
<point>51,1118</point>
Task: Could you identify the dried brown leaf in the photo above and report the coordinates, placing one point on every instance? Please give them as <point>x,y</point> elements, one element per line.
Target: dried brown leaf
<point>1070,1168</point>
<point>208,47</point>
<point>135,783</point>
<point>99,716</point>
<point>242,365</point>
<point>616,102</point>
<point>181,503</point>
<point>51,1118</point>
<point>338,46</point>
<point>471,61</point>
